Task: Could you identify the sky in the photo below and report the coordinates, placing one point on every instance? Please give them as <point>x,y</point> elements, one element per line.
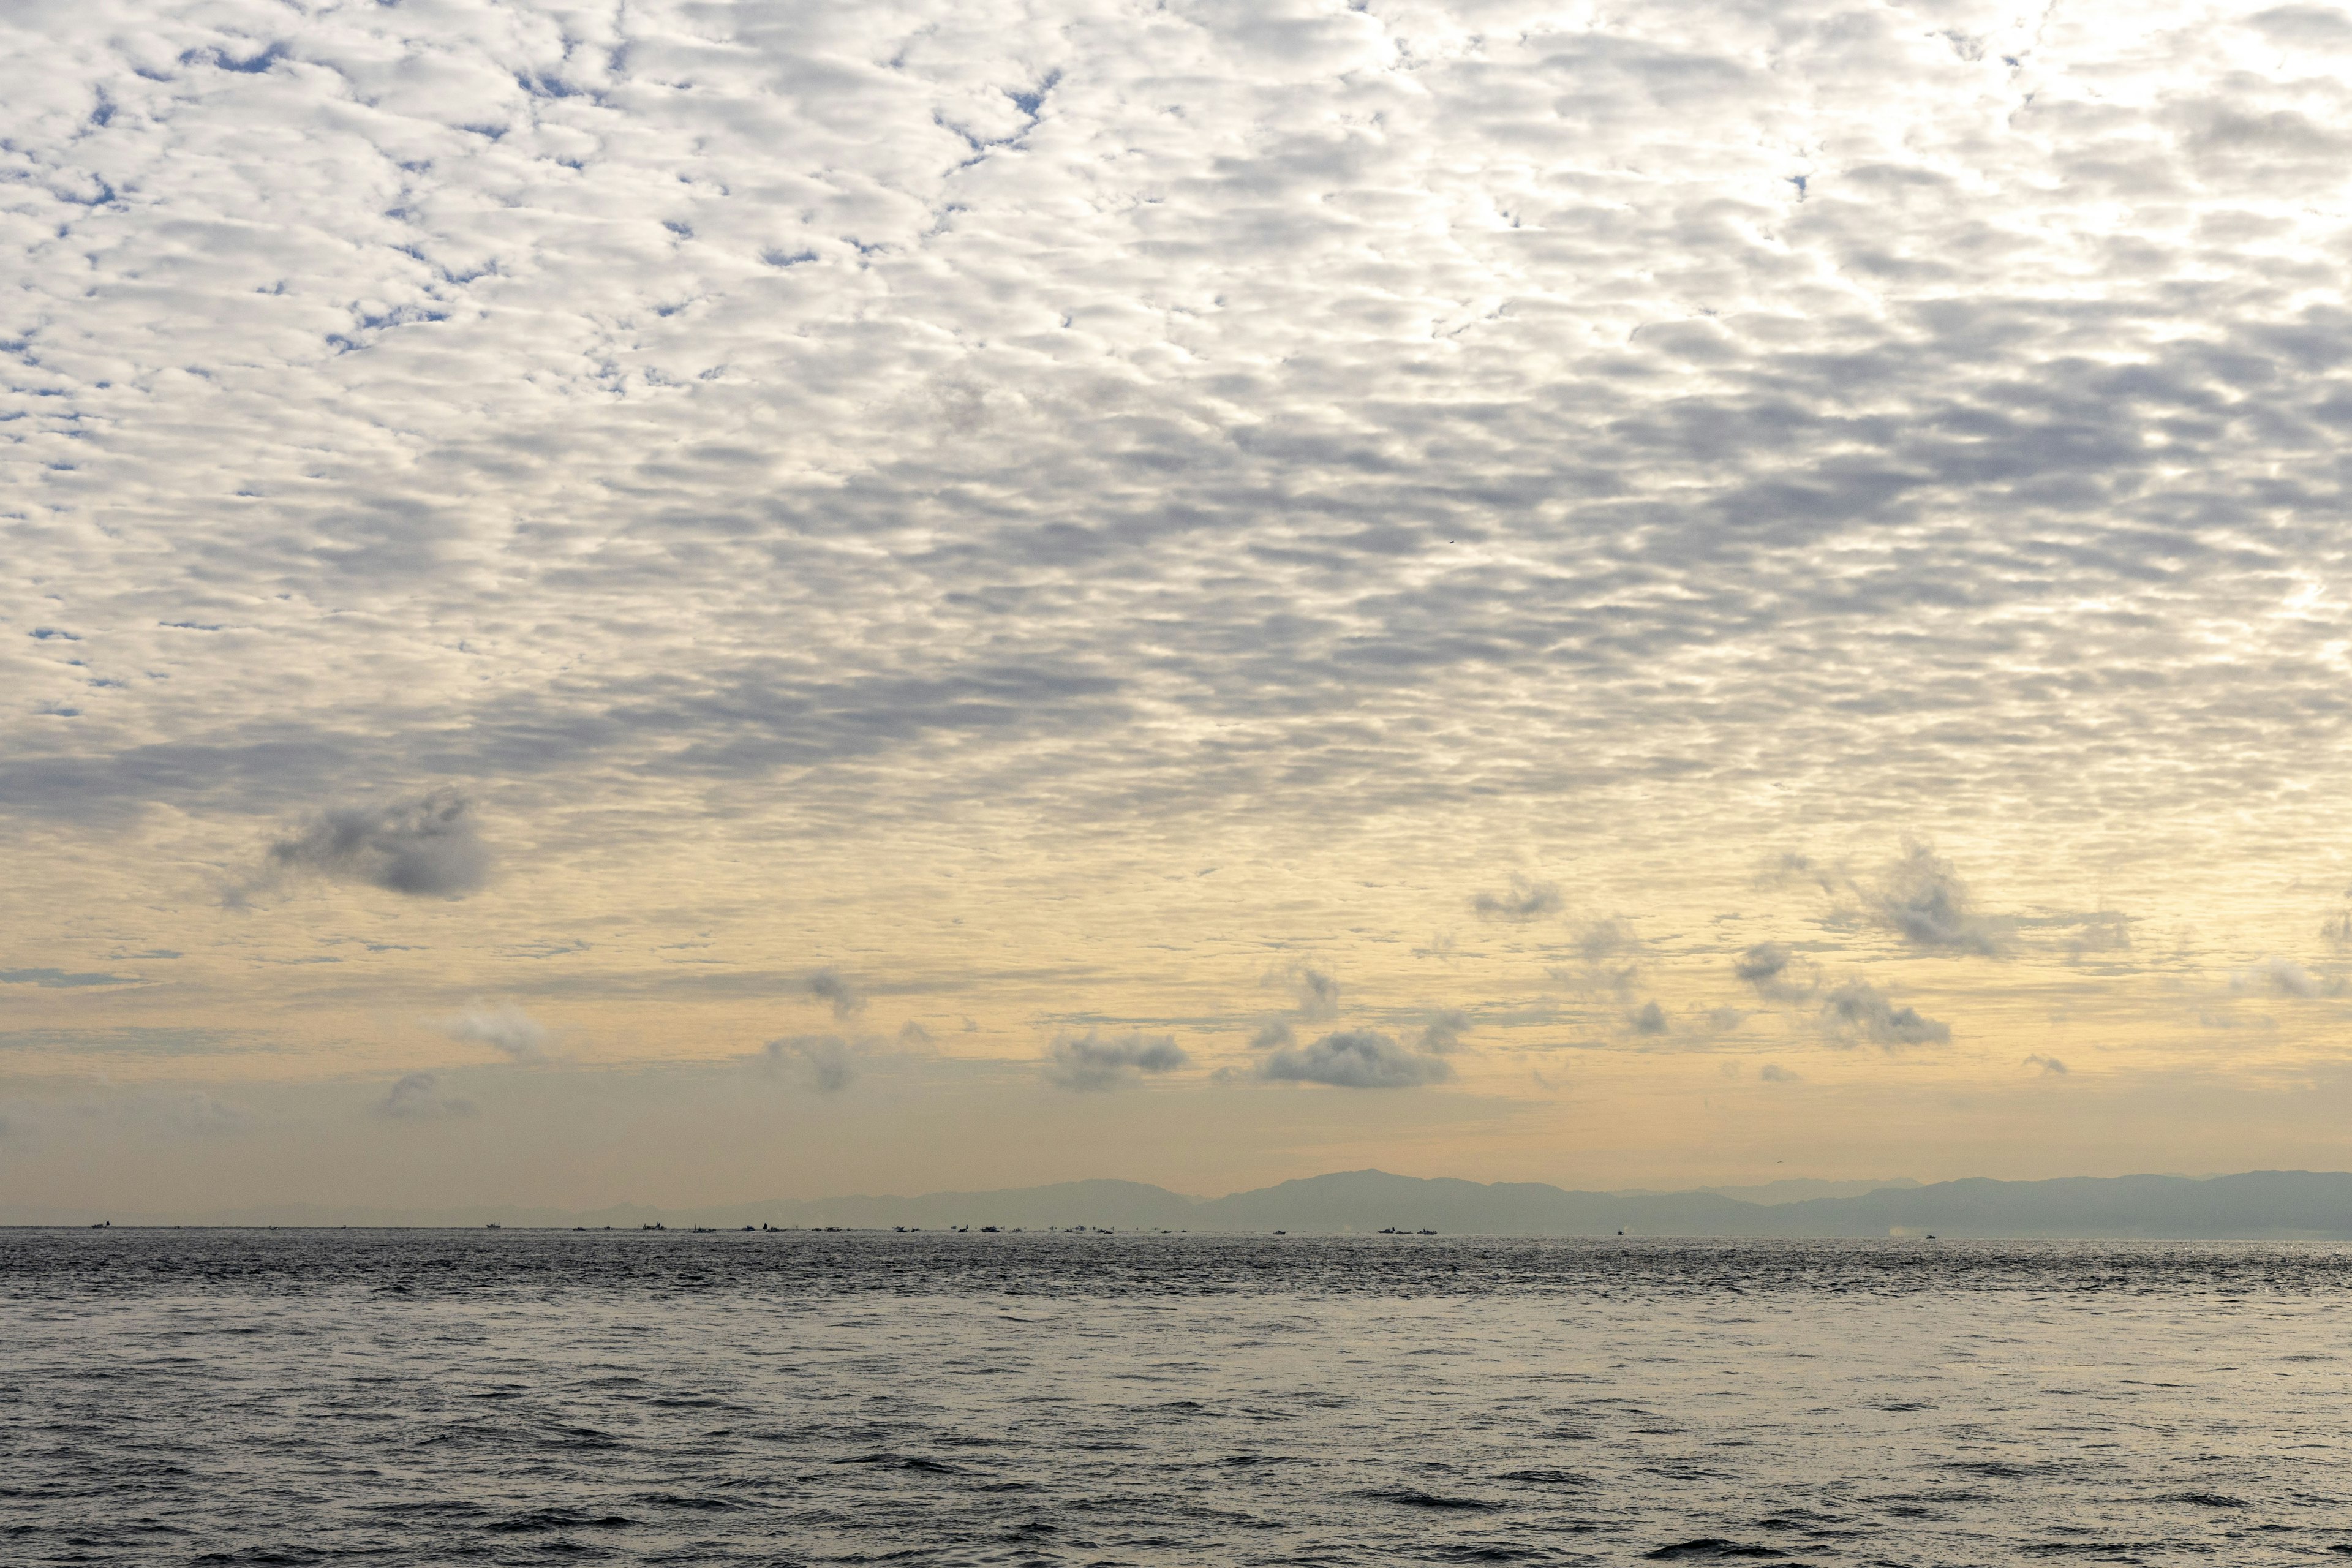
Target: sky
<point>680,603</point>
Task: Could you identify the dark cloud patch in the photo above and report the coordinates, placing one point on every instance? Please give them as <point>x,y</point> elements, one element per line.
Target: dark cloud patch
<point>428,846</point>
<point>1775,972</point>
<point>1273,1033</point>
<point>825,1063</point>
<point>1526,900</point>
<point>1094,1062</point>
<point>1606,956</point>
<point>1356,1059</point>
<point>912,1035</point>
<point>1858,1011</point>
<point>421,1097</point>
<point>1441,1034</point>
<point>1648,1020</point>
<point>1922,899</point>
<point>61,980</point>
<point>2278,977</point>
<point>1773,1072</point>
<point>831,987</point>
<point>2049,1067</point>
<point>1316,994</point>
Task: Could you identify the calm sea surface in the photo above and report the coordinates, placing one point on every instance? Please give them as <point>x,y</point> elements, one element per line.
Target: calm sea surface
<point>436,1396</point>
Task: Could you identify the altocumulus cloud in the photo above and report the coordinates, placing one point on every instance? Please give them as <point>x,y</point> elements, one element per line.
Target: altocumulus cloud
<point>1355,1058</point>
<point>1096,1061</point>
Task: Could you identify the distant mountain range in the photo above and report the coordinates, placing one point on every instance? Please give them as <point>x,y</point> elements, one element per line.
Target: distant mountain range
<point>2256,1205</point>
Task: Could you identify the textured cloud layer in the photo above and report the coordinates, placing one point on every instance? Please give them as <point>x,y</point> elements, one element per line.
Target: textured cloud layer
<point>977,501</point>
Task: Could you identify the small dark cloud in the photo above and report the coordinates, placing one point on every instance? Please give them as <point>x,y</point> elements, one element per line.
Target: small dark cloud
<point>195,1112</point>
<point>1316,994</point>
<point>1442,1034</point>
<point>1649,1018</point>
<point>1921,899</point>
<point>1273,1033</point>
<point>2097,933</point>
<point>2051,1066</point>
<point>1605,956</point>
<point>59,979</point>
<point>1526,900</point>
<point>1773,1072</point>
<point>420,1097</point>
<point>1095,1061</point>
<point>1858,1010</point>
<point>510,1031</point>
<point>427,847</point>
<point>913,1035</point>
<point>2277,977</point>
<point>829,986</point>
<point>1774,973</point>
<point>2336,930</point>
<point>1356,1059</point>
<point>1789,867</point>
<point>825,1062</point>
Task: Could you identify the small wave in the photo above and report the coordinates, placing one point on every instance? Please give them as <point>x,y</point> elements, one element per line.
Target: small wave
<point>1708,1548</point>
<point>905,1462</point>
<point>546,1519</point>
<point>1413,1496</point>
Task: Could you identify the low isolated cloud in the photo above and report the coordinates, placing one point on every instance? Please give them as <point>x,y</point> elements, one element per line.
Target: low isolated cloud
<point>510,1031</point>
<point>826,1063</point>
<point>1774,973</point>
<point>1606,956</point>
<point>1773,1072</point>
<point>1095,1061</point>
<point>420,1097</point>
<point>1649,1018</point>
<point>2277,977</point>
<point>195,1112</point>
<point>1316,994</point>
<point>1356,1059</point>
<point>829,986</point>
<point>428,846</point>
<point>1526,900</point>
<point>2051,1066</point>
<point>1858,1010</point>
<point>1442,1034</point>
<point>1271,1033</point>
<point>1921,899</point>
<point>914,1037</point>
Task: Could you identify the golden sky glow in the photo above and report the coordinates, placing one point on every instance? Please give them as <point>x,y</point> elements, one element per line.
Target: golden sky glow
<point>720,601</point>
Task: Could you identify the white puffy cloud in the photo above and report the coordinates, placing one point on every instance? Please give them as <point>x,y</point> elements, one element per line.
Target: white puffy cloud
<point>510,1031</point>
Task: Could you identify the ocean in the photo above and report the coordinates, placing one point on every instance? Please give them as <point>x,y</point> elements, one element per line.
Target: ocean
<point>289,1396</point>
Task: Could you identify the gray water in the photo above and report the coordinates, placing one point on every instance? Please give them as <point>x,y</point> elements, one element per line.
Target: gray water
<point>426,1397</point>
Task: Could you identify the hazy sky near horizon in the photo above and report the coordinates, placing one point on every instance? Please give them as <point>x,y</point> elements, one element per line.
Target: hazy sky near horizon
<point>680,602</point>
